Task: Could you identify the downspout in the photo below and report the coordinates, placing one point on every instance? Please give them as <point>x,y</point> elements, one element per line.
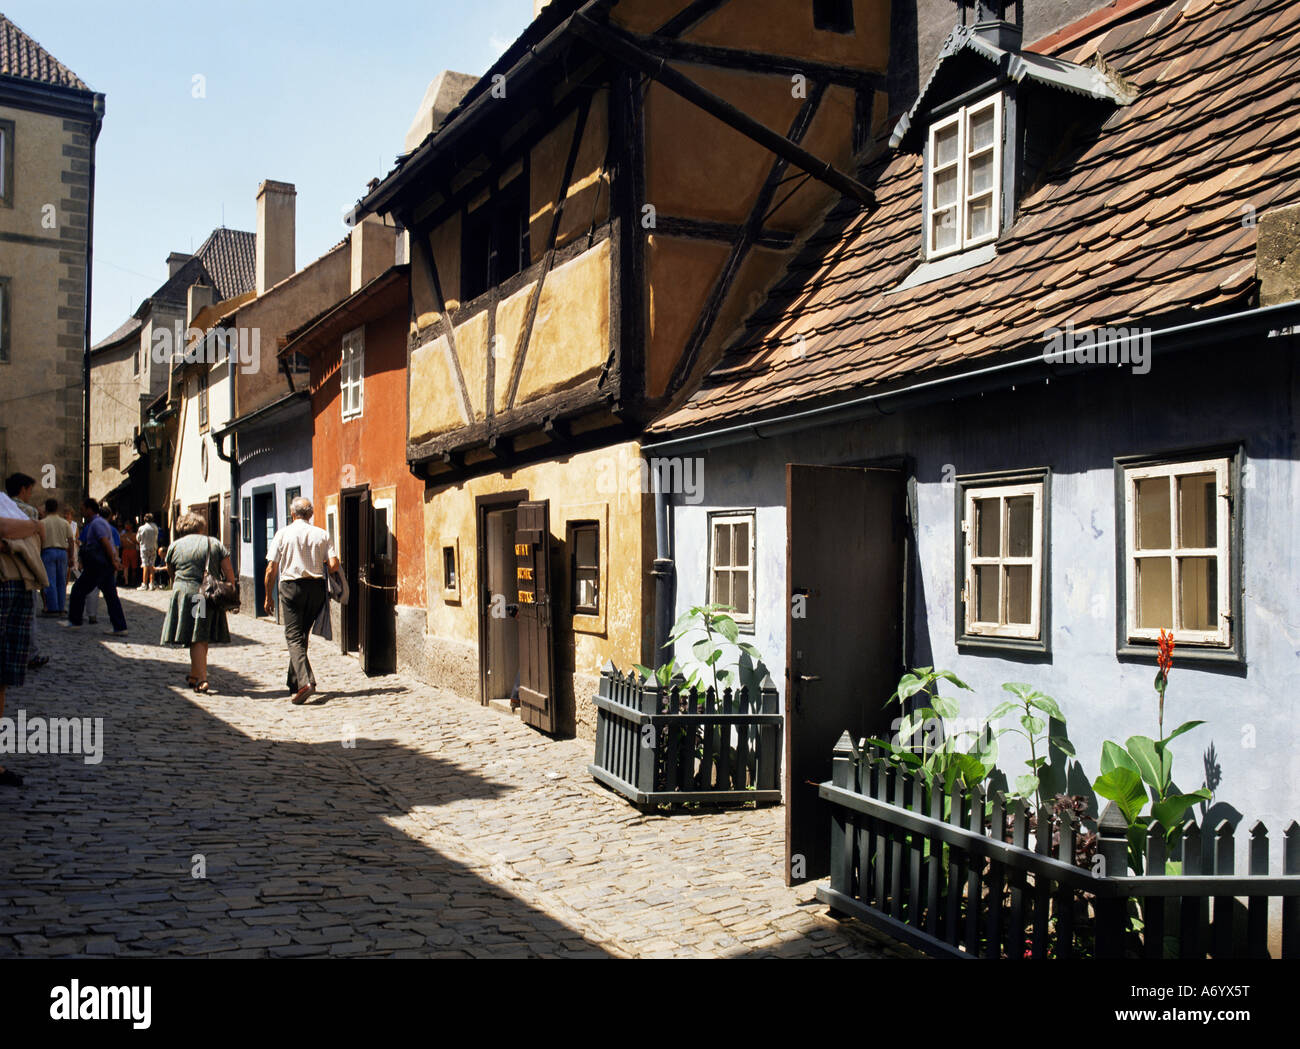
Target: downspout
<point>664,570</point>
<point>96,123</point>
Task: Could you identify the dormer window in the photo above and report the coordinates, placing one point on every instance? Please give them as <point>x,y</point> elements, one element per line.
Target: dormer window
<point>964,178</point>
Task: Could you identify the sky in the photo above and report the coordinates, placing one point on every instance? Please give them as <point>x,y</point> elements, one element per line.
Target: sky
<point>316,93</point>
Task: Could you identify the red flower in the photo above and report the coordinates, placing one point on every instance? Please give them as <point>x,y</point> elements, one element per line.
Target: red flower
<point>1165,653</point>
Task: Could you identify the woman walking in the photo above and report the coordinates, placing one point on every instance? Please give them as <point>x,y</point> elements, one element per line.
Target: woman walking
<point>130,554</point>
<point>188,621</point>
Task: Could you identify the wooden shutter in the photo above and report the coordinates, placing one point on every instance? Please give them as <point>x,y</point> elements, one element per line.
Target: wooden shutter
<point>365,570</point>
<point>536,635</point>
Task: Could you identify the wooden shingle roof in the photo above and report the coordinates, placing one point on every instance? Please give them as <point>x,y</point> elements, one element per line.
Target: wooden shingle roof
<point>1151,218</point>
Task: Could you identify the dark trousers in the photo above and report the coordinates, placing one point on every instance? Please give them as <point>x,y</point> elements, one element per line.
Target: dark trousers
<point>300,603</point>
<point>96,574</point>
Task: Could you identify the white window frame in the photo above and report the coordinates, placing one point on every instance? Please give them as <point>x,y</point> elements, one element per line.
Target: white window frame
<point>352,361</point>
<point>745,616</point>
<point>1031,631</point>
<point>1220,467</point>
<point>961,209</point>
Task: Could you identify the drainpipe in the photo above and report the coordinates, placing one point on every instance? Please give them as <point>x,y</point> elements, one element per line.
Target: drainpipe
<point>664,570</point>
<point>96,123</point>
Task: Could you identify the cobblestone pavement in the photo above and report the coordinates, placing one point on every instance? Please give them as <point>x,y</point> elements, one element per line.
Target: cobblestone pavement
<point>448,829</point>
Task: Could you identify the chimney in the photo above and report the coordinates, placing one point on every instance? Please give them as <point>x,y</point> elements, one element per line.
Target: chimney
<point>197,298</point>
<point>374,247</point>
<point>441,96</point>
<point>174,263</point>
<point>538,5</point>
<point>275,233</point>
<point>992,24</point>
<point>1277,255</point>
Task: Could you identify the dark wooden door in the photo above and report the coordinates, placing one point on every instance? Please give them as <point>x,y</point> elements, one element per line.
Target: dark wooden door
<point>537,701</point>
<point>844,633</point>
<point>365,575</point>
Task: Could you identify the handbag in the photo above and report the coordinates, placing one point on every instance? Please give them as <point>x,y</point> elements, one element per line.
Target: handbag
<point>216,592</point>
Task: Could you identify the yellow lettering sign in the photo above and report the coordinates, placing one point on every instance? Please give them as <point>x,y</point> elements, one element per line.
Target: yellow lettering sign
<point>523,549</point>
<point>525,573</point>
<point>525,598</point>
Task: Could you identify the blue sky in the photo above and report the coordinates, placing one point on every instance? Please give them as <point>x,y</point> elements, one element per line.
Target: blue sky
<point>319,94</point>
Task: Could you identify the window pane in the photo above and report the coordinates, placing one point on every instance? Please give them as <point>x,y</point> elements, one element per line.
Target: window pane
<point>981,174</point>
<point>740,544</point>
<point>986,593</point>
<point>988,532</point>
<point>1019,582</point>
<point>585,547</point>
<point>449,568</point>
<point>945,146</point>
<point>740,592</point>
<point>1152,507</point>
<point>1020,526</point>
<point>587,590</point>
<point>1197,520</point>
<point>980,130</point>
<point>721,587</point>
<point>945,188</point>
<point>1198,592</point>
<point>722,545</point>
<point>1155,594</point>
<point>979,217</point>
<point>944,227</point>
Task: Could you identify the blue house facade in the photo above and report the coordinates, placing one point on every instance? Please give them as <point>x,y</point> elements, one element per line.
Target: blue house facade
<point>274,466</point>
<point>1035,407</point>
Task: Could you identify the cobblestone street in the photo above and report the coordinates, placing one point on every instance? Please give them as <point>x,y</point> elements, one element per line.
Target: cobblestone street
<point>448,830</point>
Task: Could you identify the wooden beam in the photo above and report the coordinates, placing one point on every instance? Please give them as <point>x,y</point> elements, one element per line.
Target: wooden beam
<point>758,62</point>
<point>688,18</point>
<point>623,48</point>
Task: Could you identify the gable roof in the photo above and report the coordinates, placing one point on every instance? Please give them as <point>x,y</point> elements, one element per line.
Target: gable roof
<point>23,57</point>
<point>225,262</point>
<point>1144,221</point>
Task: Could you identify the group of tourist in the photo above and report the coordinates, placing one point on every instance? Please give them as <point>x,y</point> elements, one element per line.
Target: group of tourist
<point>40,551</point>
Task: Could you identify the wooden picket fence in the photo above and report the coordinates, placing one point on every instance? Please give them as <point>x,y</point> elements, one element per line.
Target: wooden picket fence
<point>661,746</point>
<point>962,879</point>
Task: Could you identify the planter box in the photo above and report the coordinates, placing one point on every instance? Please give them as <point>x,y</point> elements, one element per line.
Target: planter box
<point>662,746</point>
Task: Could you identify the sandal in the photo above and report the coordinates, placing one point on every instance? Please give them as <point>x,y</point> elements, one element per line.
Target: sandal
<point>202,687</point>
<point>191,680</point>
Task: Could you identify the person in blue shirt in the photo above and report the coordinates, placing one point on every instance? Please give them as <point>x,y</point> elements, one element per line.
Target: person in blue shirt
<point>100,563</point>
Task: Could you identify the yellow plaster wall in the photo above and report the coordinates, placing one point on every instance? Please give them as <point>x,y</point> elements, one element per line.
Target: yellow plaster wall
<point>645,16</point>
<point>680,273</point>
<point>511,314</point>
<point>696,165</point>
<point>436,405</point>
<point>830,137</point>
<point>570,339</point>
<point>782,27</point>
<point>444,242</point>
<point>602,485</point>
<point>472,351</point>
<point>587,199</point>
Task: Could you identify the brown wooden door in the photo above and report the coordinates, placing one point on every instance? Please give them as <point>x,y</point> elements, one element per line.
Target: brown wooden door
<point>844,633</point>
<point>536,632</point>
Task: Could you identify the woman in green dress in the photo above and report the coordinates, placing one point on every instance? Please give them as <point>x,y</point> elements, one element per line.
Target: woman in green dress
<point>188,623</point>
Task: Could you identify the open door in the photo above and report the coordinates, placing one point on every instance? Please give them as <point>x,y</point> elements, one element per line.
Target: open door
<point>536,634</point>
<point>365,571</point>
<point>844,632</point>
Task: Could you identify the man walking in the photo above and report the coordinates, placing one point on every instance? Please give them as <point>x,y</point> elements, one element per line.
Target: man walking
<point>100,564</point>
<point>300,555</point>
<point>147,536</point>
<point>57,555</point>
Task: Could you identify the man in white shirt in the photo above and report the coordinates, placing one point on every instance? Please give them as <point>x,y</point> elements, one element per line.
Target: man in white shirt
<point>300,555</point>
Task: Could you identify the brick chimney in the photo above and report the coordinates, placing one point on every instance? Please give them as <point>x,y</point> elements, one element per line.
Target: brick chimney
<point>275,233</point>
<point>374,247</point>
<point>175,261</point>
<point>1277,255</point>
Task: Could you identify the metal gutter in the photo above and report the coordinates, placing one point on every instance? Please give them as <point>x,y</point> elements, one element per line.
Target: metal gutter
<point>96,124</point>
<point>1184,336</point>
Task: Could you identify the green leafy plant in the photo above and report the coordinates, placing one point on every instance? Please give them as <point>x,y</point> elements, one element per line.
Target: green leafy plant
<point>1146,766</point>
<point>945,761</point>
<point>706,665</point>
<point>1035,713</point>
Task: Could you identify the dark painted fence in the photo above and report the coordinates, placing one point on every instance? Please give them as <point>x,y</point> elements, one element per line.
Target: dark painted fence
<point>660,746</point>
<point>963,879</point>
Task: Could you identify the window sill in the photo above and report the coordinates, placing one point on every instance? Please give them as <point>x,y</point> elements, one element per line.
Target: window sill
<point>985,642</point>
<point>938,269</point>
<point>1135,651</point>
